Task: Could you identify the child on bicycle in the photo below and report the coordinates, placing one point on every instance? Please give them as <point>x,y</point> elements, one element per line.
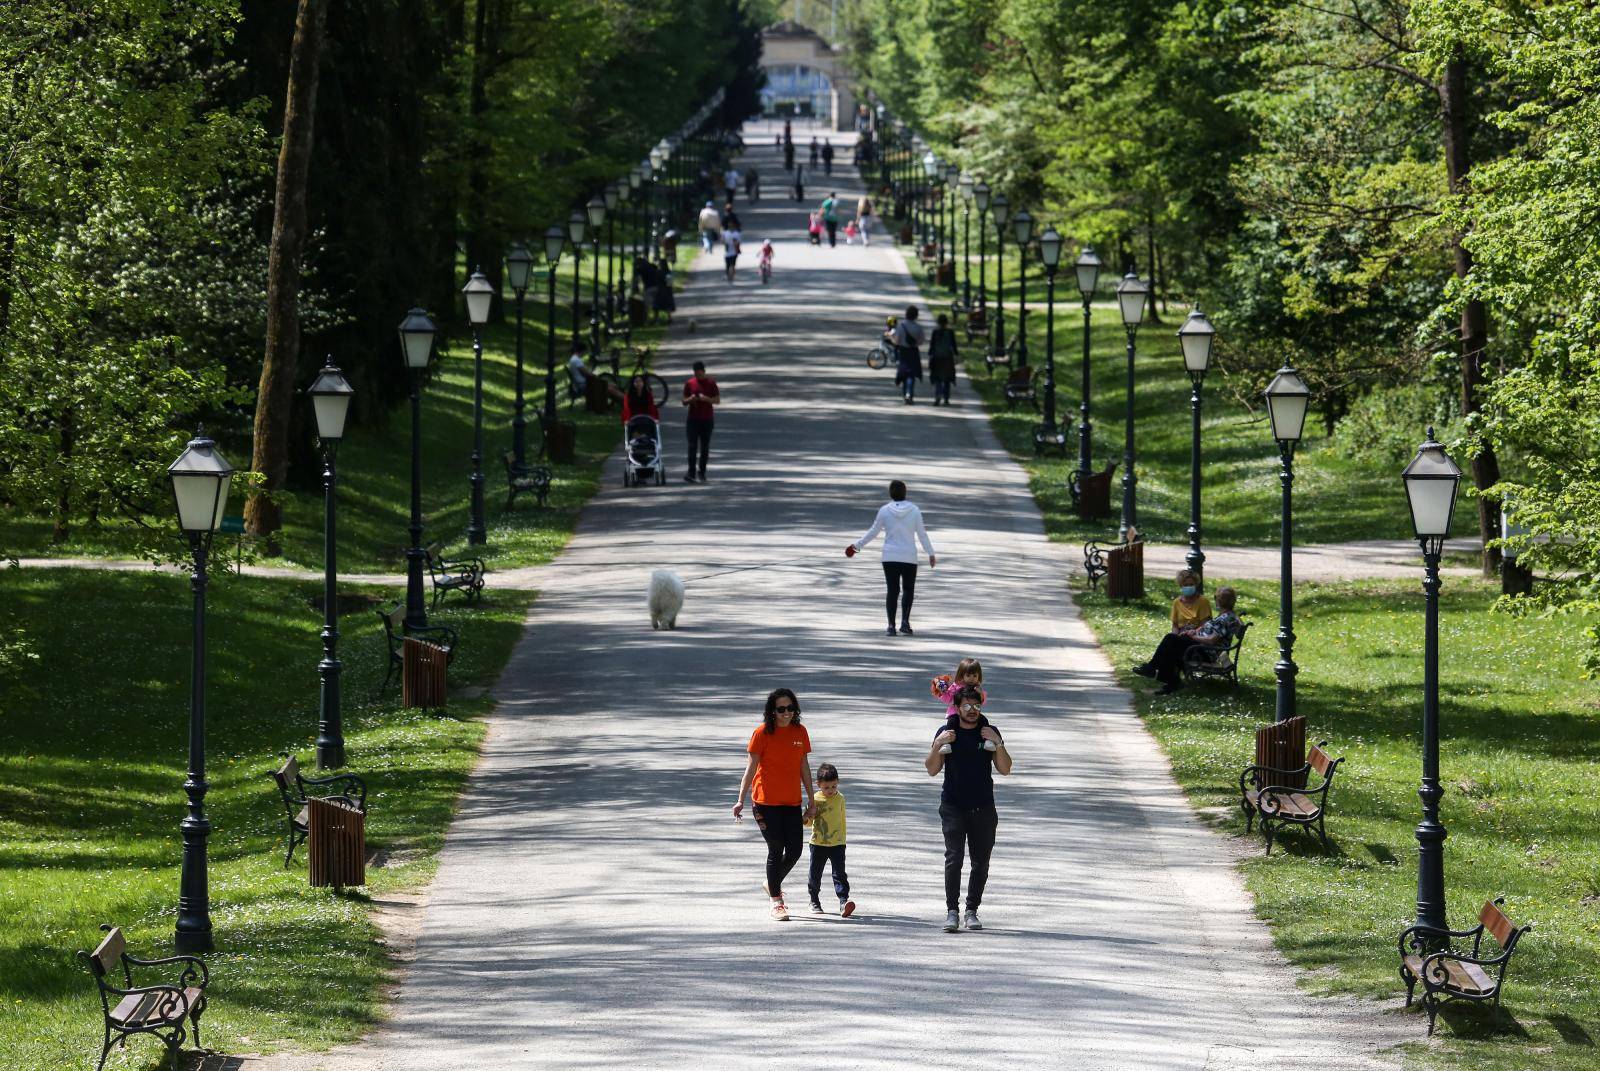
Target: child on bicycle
<point>765,261</point>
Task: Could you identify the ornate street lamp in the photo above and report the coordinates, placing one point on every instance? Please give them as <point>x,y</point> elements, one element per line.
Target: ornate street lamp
<point>1287,398</point>
<point>519,262</point>
<point>1022,228</point>
<point>980,201</point>
<point>479,294</point>
<point>952,176</point>
<point>1050,244</point>
<point>636,186</point>
<point>417,333</point>
<point>554,239</point>
<point>1087,267</point>
<point>965,186</point>
<point>200,479</point>
<point>613,197</point>
<point>1131,294</point>
<point>575,227</point>
<point>597,217</point>
<point>1431,482</point>
<point>931,171</point>
<point>1195,337</point>
<point>330,401</point>
<point>1000,212</point>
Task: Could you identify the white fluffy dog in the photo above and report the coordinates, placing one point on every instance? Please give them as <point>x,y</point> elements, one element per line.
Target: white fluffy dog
<point>666,598</point>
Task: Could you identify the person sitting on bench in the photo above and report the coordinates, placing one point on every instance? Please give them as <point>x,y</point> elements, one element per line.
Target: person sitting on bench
<point>1167,663</point>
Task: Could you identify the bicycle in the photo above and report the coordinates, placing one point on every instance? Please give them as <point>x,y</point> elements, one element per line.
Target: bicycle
<point>766,272</point>
<point>882,353</point>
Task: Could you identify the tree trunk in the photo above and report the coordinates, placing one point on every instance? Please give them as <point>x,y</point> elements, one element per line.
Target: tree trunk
<point>280,363</point>
<point>1454,99</point>
<point>483,253</point>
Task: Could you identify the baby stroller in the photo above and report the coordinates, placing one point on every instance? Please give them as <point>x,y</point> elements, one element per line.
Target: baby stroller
<point>641,452</point>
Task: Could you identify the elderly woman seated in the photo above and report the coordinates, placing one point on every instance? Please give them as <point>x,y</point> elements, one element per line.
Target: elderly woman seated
<point>1166,664</point>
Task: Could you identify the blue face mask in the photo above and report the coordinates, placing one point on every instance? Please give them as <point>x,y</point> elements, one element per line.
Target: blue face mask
<point>1188,589</point>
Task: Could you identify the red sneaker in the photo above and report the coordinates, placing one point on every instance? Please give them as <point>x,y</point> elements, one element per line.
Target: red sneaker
<point>780,913</point>
<point>847,909</point>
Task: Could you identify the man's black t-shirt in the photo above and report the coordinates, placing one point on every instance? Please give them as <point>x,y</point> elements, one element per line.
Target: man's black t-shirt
<point>968,771</point>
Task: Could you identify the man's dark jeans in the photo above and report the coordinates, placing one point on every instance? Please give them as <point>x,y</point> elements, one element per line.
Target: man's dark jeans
<point>820,857</point>
<point>699,442</point>
<point>966,831</point>
<point>833,231</point>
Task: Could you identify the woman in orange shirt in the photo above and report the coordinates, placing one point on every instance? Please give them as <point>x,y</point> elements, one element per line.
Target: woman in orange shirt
<point>778,779</point>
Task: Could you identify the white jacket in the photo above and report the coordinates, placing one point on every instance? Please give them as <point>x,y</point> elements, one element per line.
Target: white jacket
<point>899,522</point>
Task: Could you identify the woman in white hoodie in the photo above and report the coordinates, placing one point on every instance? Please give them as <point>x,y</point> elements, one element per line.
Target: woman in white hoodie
<point>901,524</point>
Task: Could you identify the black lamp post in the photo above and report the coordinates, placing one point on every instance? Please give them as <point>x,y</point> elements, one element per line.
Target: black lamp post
<point>1431,481</point>
<point>613,196</point>
<point>932,172</point>
<point>1287,398</point>
<point>965,186</point>
<point>1087,267</point>
<point>554,239</point>
<point>1050,252</point>
<point>575,226</point>
<point>980,201</point>
<point>1131,294</point>
<point>479,295</point>
<point>519,262</point>
<point>636,179</point>
<point>1000,212</point>
<point>1022,228</point>
<point>417,332</point>
<point>1195,337</point>
<point>597,216</point>
<point>200,479</point>
<point>658,157</point>
<point>330,401</point>
<point>952,178</point>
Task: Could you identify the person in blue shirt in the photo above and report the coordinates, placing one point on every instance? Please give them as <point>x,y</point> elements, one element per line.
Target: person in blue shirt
<point>966,804</point>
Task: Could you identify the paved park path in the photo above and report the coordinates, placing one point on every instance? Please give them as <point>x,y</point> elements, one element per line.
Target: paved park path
<point>597,907</point>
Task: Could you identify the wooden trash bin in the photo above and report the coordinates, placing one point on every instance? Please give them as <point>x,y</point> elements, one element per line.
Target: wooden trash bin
<point>561,440</point>
<point>422,675</point>
<point>1282,746</point>
<point>337,843</point>
<point>1125,571</point>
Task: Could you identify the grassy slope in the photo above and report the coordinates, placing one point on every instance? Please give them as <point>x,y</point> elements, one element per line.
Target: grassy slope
<point>92,754</point>
<point>374,461</point>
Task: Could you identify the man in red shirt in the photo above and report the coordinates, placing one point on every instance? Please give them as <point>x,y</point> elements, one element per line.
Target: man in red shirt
<point>700,394</point>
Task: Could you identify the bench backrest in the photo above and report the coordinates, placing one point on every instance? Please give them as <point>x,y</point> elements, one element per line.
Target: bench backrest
<point>1319,760</point>
<point>510,458</point>
<point>394,620</point>
<point>104,959</point>
<point>432,551</point>
<point>1494,921</point>
<point>287,773</point>
<point>1020,377</point>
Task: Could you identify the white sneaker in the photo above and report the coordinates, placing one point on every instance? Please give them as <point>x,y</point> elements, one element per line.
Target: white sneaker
<point>951,923</point>
<point>971,920</point>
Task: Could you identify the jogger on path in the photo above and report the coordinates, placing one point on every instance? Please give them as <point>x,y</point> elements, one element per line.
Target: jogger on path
<point>901,523</point>
<point>774,776</point>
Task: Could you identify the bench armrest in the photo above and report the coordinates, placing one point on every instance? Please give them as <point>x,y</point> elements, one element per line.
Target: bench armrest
<point>359,800</point>
<point>1416,938</point>
<point>423,632</point>
<point>1254,769</point>
<point>190,976</point>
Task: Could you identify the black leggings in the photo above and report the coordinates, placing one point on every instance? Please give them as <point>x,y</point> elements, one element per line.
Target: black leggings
<point>1168,658</point>
<point>966,832</point>
<point>900,578</point>
<point>781,827</point>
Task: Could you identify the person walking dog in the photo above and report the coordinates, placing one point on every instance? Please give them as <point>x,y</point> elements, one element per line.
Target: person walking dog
<point>901,524</point>
<point>969,755</point>
<point>774,776</point>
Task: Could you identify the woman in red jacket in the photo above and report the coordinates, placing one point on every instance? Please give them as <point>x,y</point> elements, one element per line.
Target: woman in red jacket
<point>639,401</point>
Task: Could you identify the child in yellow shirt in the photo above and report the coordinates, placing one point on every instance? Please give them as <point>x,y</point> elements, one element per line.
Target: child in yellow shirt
<point>827,841</point>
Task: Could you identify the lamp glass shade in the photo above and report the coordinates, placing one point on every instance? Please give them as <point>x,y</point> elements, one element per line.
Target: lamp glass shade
<point>1000,210</point>
<point>555,239</point>
<point>634,178</point>
<point>597,212</point>
<point>330,399</point>
<point>518,261</point>
<point>1131,294</point>
<point>980,196</point>
<point>1287,398</point>
<point>1431,480</point>
<point>1088,267</point>
<point>656,157</point>
<point>1196,336</point>
<point>479,294</point>
<point>612,195</point>
<point>417,332</point>
<point>952,174</point>
<point>200,479</point>
<point>930,165</point>
<point>1050,244</point>
<point>575,226</point>
<point>1022,226</point>
<point>965,183</point>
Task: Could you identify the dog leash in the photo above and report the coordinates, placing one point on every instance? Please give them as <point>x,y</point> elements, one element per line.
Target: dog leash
<point>747,568</point>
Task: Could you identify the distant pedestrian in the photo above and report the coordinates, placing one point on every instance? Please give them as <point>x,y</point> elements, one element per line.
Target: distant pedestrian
<point>827,157</point>
<point>799,184</point>
<point>701,397</point>
<point>908,338</point>
<point>730,181</point>
<point>967,813</point>
<point>816,150</point>
<point>830,218</point>
<point>788,156</point>
<point>730,218</point>
<point>752,185</point>
<point>774,776</point>
<point>942,355</point>
<point>864,218</point>
<point>730,250</point>
<point>710,226</point>
<point>827,842</point>
<point>788,134</point>
<point>900,522</point>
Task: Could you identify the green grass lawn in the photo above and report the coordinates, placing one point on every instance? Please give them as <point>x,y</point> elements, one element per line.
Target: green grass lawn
<point>1337,498</point>
<point>92,758</point>
<point>1520,738</point>
<point>375,465</point>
